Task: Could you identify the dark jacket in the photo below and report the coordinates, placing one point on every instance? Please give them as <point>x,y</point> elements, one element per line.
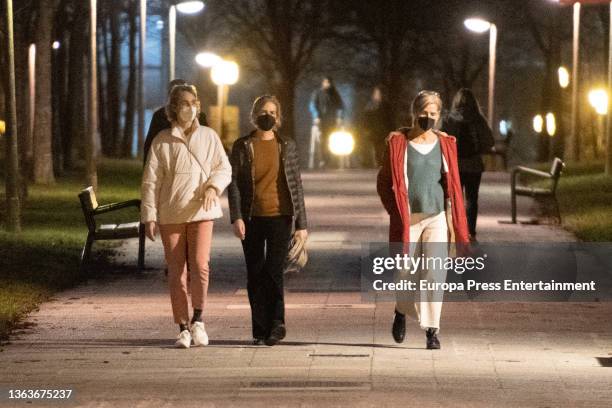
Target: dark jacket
<point>470,131</point>
<point>159,122</point>
<point>240,190</point>
<point>326,104</point>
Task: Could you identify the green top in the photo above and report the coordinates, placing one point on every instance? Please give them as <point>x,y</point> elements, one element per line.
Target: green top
<point>424,173</point>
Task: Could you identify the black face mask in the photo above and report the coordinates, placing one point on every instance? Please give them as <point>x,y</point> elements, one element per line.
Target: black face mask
<point>265,122</point>
<point>426,123</point>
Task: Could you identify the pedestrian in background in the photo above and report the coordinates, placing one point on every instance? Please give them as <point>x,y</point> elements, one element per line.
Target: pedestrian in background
<point>326,108</point>
<point>186,171</point>
<point>419,187</point>
<point>160,121</point>
<point>474,138</point>
<point>375,123</point>
<point>266,200</point>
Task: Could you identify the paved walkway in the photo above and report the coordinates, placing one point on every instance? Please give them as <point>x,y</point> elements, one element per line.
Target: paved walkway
<point>110,340</point>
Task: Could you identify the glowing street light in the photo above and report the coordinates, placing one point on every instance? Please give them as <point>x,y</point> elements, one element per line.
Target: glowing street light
<point>564,77</point>
<point>56,45</point>
<point>341,143</point>
<point>479,25</point>
<point>190,7</point>
<point>223,74</point>
<point>538,123</point>
<point>207,59</point>
<point>551,124</point>
<point>185,7</point>
<point>504,126</point>
<point>598,98</point>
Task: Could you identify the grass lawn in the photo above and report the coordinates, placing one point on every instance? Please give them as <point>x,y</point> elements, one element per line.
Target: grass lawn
<point>585,201</point>
<point>44,258</point>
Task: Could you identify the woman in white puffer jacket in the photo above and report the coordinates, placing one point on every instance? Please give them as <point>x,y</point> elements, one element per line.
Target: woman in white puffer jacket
<point>186,172</point>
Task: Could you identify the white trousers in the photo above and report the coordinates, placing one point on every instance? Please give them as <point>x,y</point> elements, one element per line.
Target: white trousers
<point>428,239</point>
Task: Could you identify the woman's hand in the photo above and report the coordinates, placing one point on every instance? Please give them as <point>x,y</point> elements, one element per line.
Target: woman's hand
<point>210,198</point>
<point>301,234</point>
<point>239,228</point>
<point>150,229</point>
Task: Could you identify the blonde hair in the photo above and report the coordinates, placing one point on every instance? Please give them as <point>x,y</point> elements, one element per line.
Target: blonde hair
<point>260,103</point>
<point>173,100</point>
<point>421,101</point>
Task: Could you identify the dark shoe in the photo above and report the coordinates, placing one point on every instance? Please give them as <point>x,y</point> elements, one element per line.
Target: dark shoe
<point>432,339</point>
<point>258,342</point>
<point>277,333</point>
<point>399,327</point>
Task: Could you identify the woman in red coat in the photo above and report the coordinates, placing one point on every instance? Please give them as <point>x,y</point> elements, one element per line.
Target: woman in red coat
<point>419,186</point>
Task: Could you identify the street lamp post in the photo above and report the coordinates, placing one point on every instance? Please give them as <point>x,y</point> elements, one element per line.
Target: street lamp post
<point>171,41</point>
<point>185,7</point>
<point>608,165</point>
<point>32,95</point>
<point>91,173</point>
<point>572,149</point>
<point>478,25</point>
<point>141,71</point>
<point>223,74</point>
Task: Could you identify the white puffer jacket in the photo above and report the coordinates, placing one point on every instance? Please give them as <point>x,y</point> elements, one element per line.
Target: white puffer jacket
<point>178,171</point>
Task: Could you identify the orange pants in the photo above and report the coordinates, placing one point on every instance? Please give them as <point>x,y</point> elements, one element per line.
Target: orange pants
<point>194,239</point>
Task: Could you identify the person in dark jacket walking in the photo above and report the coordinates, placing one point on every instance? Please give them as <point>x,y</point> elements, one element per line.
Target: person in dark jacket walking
<point>375,125</point>
<point>326,108</point>
<point>265,199</point>
<point>160,121</point>
<point>474,138</point>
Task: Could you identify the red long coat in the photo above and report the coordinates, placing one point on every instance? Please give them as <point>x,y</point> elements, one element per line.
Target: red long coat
<point>392,189</point>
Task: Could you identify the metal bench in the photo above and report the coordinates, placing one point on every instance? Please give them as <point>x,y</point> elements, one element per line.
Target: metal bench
<point>556,169</point>
<point>91,209</point>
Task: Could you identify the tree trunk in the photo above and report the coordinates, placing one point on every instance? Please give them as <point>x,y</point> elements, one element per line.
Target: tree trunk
<point>64,102</point>
<point>57,84</point>
<point>43,152</point>
<point>103,60</point>
<point>76,110</point>
<point>286,96</point>
<point>130,104</point>
<point>22,41</point>
<point>91,173</point>
<point>23,107</point>
<point>113,84</point>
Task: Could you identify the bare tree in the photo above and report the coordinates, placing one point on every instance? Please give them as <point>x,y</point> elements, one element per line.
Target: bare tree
<point>281,38</point>
<point>543,22</point>
<point>43,159</point>
<point>76,112</point>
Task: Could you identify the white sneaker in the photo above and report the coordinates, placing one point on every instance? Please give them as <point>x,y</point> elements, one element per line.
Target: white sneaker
<point>198,332</point>
<point>184,339</point>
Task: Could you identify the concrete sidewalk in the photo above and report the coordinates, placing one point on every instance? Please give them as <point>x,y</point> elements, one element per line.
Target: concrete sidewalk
<point>110,340</point>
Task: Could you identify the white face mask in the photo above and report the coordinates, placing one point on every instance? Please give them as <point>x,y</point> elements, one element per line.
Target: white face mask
<point>188,114</point>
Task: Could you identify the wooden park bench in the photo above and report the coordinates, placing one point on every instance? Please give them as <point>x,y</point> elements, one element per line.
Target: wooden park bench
<point>96,232</point>
<point>556,169</point>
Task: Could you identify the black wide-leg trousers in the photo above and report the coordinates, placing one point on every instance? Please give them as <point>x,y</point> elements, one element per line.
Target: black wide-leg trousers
<point>265,246</point>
